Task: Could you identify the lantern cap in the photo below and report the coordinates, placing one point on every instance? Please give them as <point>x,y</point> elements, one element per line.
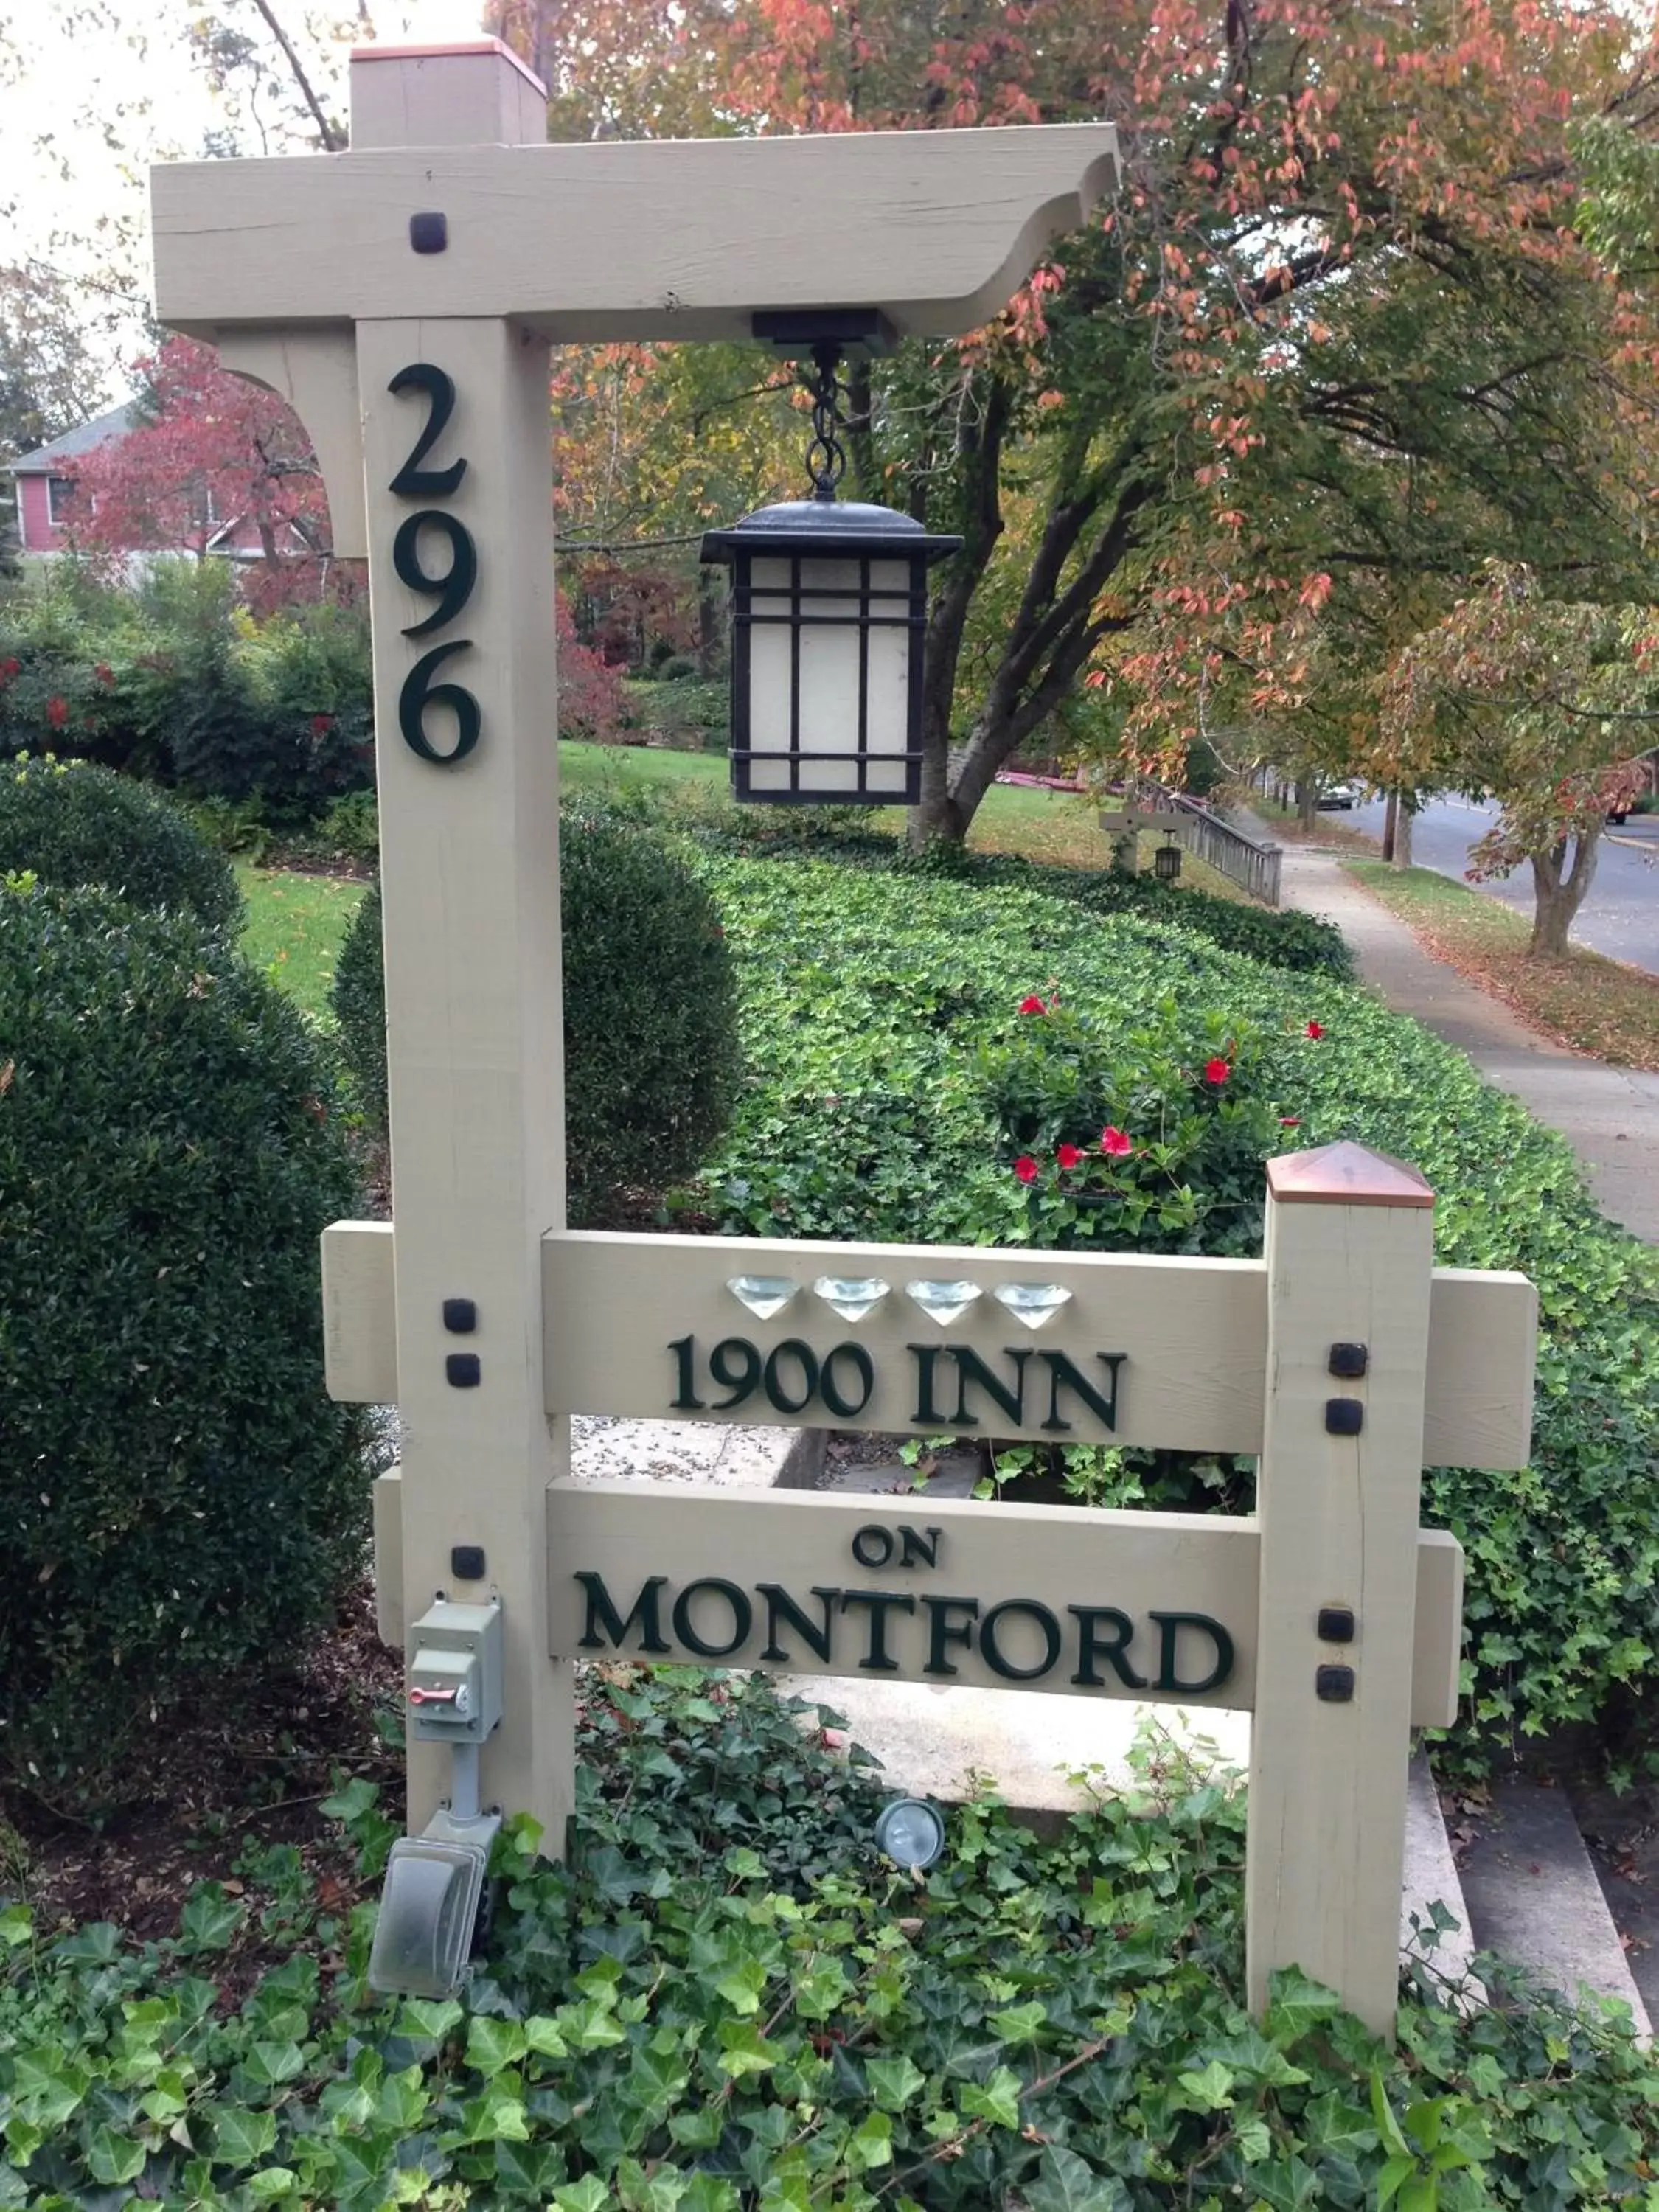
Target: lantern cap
<point>831,529</point>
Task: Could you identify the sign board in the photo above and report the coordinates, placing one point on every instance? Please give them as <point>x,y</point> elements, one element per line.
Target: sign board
<point>402,296</point>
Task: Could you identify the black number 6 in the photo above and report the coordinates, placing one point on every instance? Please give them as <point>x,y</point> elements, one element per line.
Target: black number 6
<point>454,587</point>
<point>420,692</point>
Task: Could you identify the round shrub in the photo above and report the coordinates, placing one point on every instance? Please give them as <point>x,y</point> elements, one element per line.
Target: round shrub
<point>182,1497</point>
<point>652,1052</point>
<point>72,825</point>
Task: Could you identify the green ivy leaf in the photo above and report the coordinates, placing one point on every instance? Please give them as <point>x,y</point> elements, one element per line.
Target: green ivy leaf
<point>424,2019</point>
<point>742,1984</point>
<point>872,2142</point>
<point>588,2195</point>
<point>1296,2004</point>
<point>998,2101</point>
<point>1066,2183</point>
<point>744,2049</point>
<point>241,2137</point>
<point>893,2082</point>
<point>272,2182</point>
<point>1020,2023</point>
<point>208,1920</point>
<point>492,2045</point>
<point>1209,2090</point>
<point>114,2159</point>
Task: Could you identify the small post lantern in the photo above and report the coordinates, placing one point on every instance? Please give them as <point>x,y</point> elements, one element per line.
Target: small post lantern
<point>828,612</point>
<point>1166,862</point>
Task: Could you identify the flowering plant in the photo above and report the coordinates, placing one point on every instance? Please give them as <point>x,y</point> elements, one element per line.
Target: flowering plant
<point>1154,1138</point>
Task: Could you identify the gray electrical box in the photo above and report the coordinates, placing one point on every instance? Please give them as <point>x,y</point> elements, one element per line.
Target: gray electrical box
<point>455,1673</point>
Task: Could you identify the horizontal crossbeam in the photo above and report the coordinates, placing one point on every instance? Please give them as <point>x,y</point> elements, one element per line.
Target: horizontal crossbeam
<point>628,240</point>
<point>1176,1347</point>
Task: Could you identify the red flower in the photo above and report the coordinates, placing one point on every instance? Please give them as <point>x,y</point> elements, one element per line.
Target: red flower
<point>1116,1144</point>
<point>321,725</point>
<point>103,673</point>
<point>57,711</point>
<point>1026,1168</point>
<point>1316,1030</point>
<point>1032,1006</point>
<point>1290,1121</point>
<point>1217,1070</point>
<point>1068,1156</point>
<point>10,666</point>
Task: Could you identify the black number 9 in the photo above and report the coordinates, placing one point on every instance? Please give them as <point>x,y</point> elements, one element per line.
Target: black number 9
<point>720,1367</point>
<point>454,587</point>
<point>420,692</point>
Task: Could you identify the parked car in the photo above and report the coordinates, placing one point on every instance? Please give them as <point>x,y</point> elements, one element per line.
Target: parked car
<point>1345,794</point>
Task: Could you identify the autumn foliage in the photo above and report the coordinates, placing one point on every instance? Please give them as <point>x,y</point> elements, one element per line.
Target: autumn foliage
<point>1336,342</point>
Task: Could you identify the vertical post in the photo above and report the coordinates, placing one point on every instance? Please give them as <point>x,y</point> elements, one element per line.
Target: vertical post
<point>1349,1248</point>
<point>470,885</point>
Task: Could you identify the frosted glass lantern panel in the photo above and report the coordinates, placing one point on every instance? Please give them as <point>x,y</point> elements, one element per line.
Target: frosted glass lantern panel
<point>823,718</point>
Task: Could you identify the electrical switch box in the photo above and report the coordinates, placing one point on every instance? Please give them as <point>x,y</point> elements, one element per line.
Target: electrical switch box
<point>455,1673</point>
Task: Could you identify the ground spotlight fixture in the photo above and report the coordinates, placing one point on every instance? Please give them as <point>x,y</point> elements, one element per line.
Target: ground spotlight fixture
<point>828,612</point>
<point>910,1832</point>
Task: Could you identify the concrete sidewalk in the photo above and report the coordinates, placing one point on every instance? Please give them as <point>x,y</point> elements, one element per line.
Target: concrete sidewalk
<point>1609,1115</point>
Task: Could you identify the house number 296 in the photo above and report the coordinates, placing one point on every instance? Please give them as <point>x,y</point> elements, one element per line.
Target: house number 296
<point>451,588</point>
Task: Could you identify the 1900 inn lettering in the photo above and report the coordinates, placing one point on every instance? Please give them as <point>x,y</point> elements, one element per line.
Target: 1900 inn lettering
<point>948,1385</point>
<point>403,296</point>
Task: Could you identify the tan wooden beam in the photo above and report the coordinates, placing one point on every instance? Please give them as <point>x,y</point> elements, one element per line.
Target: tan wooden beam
<point>628,240</point>
<point>1195,1332</point>
<point>621,1528</point>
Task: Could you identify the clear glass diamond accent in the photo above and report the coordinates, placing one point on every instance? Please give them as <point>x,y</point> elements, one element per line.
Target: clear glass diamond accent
<point>943,1301</point>
<point>851,1295</point>
<point>1032,1303</point>
<point>764,1295</point>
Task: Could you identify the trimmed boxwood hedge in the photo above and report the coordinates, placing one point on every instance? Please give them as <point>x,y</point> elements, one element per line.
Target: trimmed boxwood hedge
<point>182,1497</point>
<point>881,1023</point>
<point>69,824</point>
<point>651,1052</point>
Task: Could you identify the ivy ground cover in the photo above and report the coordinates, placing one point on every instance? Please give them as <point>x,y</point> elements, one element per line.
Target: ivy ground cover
<point>897,1091</point>
<point>728,2003</point>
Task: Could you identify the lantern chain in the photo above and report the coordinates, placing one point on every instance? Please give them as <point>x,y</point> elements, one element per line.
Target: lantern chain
<point>826,457</point>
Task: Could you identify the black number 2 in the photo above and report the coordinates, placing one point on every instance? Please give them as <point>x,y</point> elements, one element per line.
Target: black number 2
<point>412,481</point>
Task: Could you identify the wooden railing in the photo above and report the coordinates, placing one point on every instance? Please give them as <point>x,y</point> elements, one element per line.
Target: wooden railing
<point>1246,862</point>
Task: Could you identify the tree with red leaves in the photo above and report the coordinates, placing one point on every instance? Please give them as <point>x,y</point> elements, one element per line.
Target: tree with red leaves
<point>215,462</point>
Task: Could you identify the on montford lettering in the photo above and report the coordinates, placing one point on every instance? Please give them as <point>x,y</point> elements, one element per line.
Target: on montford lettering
<point>913,1634</point>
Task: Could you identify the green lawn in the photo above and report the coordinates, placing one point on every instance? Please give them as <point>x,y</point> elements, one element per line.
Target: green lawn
<point>294,925</point>
<point>1051,826</point>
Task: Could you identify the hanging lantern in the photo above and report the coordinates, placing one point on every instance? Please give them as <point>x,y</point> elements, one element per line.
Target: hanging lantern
<point>828,611</point>
<point>1166,863</point>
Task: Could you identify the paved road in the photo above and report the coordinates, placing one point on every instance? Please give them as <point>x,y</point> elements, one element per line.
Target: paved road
<point>1620,917</point>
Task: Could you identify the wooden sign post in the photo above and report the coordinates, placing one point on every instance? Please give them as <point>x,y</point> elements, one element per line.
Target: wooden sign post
<point>403,297</point>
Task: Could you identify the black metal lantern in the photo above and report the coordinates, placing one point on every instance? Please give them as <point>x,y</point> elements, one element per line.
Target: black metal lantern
<point>1166,863</point>
<point>829,610</point>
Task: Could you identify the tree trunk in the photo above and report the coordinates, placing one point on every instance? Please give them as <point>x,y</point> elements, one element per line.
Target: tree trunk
<point>1390,824</point>
<point>1307,803</point>
<point>1402,854</point>
<point>1559,891</point>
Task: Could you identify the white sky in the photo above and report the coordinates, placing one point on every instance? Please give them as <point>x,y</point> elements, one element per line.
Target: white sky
<point>93,91</point>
